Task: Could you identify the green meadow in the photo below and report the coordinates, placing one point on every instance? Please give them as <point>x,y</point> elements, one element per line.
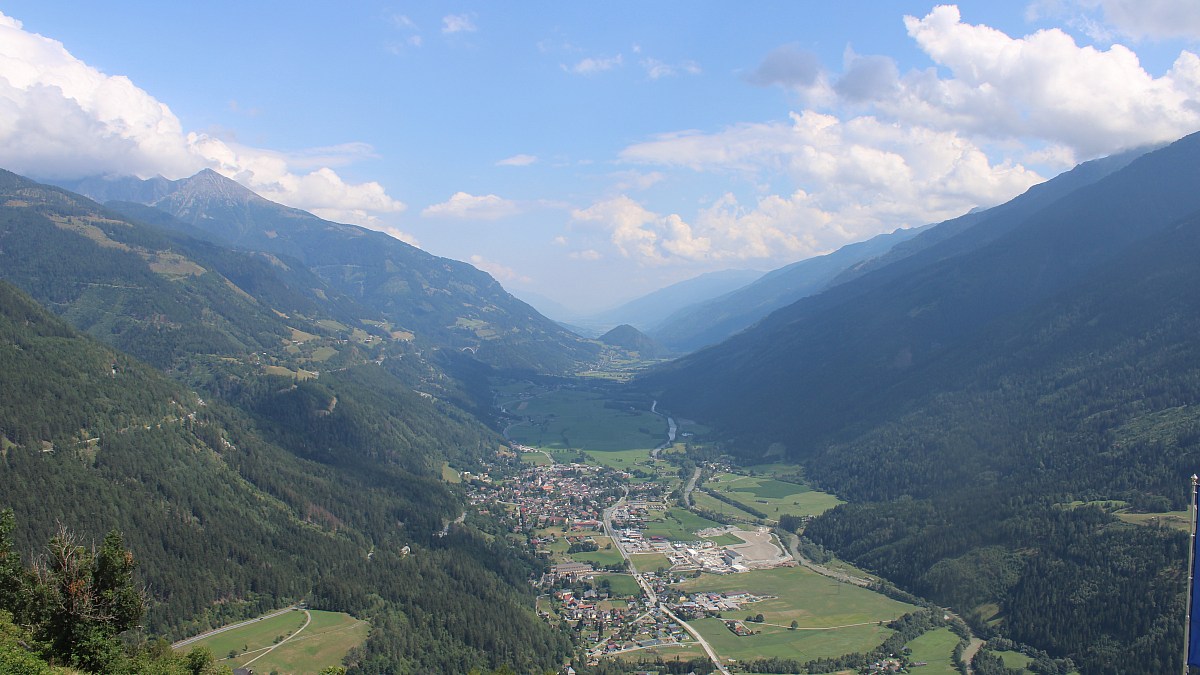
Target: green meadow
<point>935,648</point>
<point>568,419</point>
<point>324,642</point>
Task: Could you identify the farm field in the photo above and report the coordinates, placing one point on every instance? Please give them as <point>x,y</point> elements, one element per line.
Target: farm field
<point>323,643</point>
<point>601,557</point>
<point>935,648</point>
<point>792,644</point>
<point>682,652</point>
<point>569,419</point>
<point>810,599</point>
<point>709,503</point>
<point>678,525</point>
<point>773,497</point>
<point>621,584</point>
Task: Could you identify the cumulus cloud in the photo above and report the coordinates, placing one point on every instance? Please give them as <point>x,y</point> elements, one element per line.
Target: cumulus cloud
<point>1043,86</point>
<point>1108,21</point>
<point>867,78</point>
<point>518,160</point>
<point>788,66</point>
<point>593,65</point>
<point>586,254</point>
<point>851,179</point>
<point>61,118</point>
<point>464,206</point>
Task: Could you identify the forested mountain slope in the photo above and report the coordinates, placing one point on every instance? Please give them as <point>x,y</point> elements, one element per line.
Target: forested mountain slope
<point>710,321</point>
<point>441,302</point>
<point>259,485</point>
<point>969,405</point>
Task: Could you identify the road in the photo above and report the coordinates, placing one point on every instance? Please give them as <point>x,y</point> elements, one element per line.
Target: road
<point>232,626</point>
<point>712,654</point>
<point>651,596</point>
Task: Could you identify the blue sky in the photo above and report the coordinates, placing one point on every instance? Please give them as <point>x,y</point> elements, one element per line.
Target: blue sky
<point>592,152</point>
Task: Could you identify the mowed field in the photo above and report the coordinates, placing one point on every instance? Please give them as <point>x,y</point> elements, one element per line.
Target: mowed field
<point>323,643</point>
<point>578,420</point>
<point>936,648</point>
<point>678,525</point>
<point>772,497</point>
<point>789,644</point>
<point>839,618</point>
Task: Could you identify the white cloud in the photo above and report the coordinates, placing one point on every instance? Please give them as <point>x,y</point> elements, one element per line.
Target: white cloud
<point>1105,21</point>
<point>459,23</point>
<point>656,69</point>
<point>518,160</point>
<point>1043,86</point>
<point>586,254</point>
<point>591,66</point>
<point>462,205</point>
<point>500,272</point>
<point>61,118</point>
<point>850,180</point>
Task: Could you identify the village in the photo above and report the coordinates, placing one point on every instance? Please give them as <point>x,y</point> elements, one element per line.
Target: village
<point>592,584</point>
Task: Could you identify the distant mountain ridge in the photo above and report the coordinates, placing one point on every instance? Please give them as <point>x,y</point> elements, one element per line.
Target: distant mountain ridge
<point>630,338</point>
<point>976,397</point>
<point>440,301</point>
<point>708,322</point>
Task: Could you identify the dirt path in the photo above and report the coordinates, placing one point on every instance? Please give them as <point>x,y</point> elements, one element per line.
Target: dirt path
<point>277,645</point>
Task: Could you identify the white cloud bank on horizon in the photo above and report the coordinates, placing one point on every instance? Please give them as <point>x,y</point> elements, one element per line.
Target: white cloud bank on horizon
<point>61,118</point>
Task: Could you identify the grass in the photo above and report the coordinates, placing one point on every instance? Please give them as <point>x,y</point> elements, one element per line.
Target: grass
<point>649,562</point>
<point>937,649</point>
<point>726,539</point>
<point>792,644</point>
<point>678,525</point>
<point>710,503</point>
<point>600,558</point>
<point>449,474</point>
<point>773,497</point>
<point>622,459</point>
<point>569,419</point>
<point>535,458</point>
<point>1014,659</point>
<point>621,585</point>
<point>684,652</point>
<point>810,599</point>
<point>1179,520</point>
<point>323,643</point>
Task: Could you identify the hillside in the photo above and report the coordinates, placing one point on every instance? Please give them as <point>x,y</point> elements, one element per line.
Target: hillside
<point>257,484</point>
<point>707,322</point>
<point>631,339</point>
<point>1040,357</point>
<point>441,302</point>
<point>651,310</point>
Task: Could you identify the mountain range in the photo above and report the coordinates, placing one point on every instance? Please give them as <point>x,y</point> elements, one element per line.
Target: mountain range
<point>977,396</point>
<point>431,300</point>
<point>264,402</point>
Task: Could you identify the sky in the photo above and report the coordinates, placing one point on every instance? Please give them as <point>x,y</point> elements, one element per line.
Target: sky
<point>589,153</point>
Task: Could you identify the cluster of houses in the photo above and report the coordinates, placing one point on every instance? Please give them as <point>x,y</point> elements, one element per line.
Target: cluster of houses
<point>572,496</point>
<point>700,605</point>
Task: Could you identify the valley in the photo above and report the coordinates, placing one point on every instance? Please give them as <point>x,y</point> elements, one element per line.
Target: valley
<point>642,579</point>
